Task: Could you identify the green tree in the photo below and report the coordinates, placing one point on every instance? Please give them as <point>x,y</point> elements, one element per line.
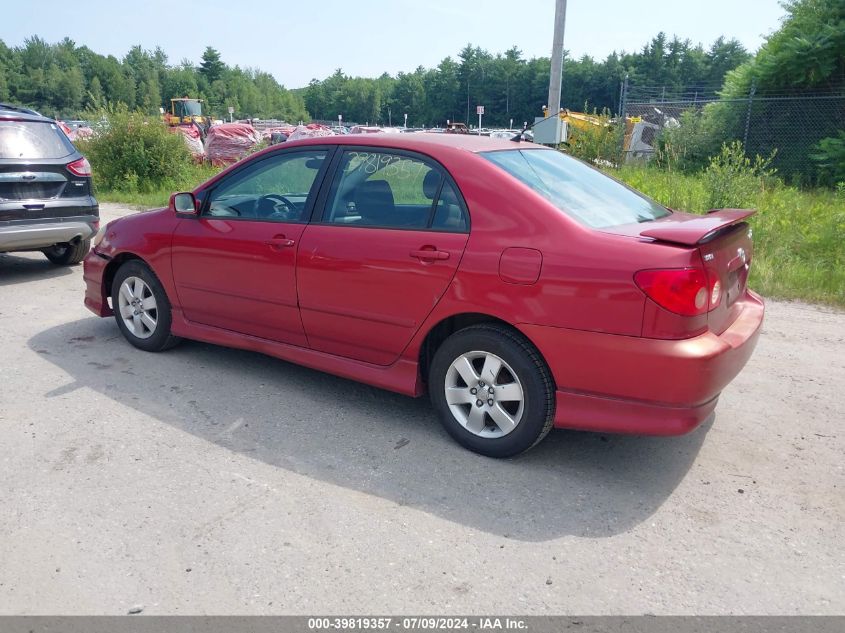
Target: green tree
<point>68,88</point>
<point>723,56</point>
<point>808,51</point>
<point>95,98</point>
<point>179,82</point>
<point>211,67</point>
<point>4,87</point>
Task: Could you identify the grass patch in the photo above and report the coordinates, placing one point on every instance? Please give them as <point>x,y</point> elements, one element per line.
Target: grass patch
<point>799,236</point>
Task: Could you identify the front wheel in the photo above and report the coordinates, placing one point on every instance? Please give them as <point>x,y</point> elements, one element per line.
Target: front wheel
<point>492,390</point>
<point>141,307</point>
<point>67,254</point>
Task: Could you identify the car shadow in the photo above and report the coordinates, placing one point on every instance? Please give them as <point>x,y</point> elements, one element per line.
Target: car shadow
<point>373,441</point>
<point>15,269</point>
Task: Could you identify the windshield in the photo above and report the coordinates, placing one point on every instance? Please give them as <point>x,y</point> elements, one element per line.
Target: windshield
<point>580,191</point>
<point>32,139</point>
<point>188,108</point>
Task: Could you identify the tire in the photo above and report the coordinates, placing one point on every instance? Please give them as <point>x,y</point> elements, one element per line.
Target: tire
<point>67,254</point>
<point>465,362</point>
<point>141,308</point>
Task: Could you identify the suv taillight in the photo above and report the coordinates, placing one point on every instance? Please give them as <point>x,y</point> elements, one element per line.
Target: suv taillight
<point>684,291</point>
<point>80,167</point>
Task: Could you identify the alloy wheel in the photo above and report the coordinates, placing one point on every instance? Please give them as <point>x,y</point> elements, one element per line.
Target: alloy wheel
<point>137,306</point>
<point>484,394</point>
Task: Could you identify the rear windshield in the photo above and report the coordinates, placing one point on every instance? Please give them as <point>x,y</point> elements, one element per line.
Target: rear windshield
<point>33,139</point>
<point>580,191</point>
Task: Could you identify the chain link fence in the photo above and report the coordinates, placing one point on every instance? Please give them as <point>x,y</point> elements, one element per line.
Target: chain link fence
<point>786,126</point>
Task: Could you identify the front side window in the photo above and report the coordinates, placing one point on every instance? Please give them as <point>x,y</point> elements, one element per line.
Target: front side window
<point>277,189</point>
<point>380,189</point>
<point>33,139</point>
<point>580,191</point>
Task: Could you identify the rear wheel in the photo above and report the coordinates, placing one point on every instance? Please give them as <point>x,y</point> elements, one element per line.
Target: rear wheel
<point>492,390</point>
<point>67,254</point>
<point>141,308</point>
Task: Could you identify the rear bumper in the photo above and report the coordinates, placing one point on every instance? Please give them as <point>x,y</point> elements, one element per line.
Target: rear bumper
<point>93,271</point>
<point>622,384</point>
<point>608,415</point>
<point>41,234</point>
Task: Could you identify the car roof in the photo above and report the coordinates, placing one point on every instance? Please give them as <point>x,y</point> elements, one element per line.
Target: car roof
<point>420,141</point>
<point>19,113</point>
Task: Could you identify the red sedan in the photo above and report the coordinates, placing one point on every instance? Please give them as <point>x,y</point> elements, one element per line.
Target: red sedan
<point>519,287</point>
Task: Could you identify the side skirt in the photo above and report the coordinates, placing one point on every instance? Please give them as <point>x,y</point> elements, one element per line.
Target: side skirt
<point>401,377</point>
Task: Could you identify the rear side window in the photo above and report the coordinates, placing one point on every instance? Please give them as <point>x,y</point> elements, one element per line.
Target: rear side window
<point>33,139</point>
<point>386,190</point>
<point>449,214</point>
<point>580,191</point>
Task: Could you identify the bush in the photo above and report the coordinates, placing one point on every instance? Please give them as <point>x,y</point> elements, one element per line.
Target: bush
<point>733,180</point>
<point>700,135</point>
<point>134,153</point>
<point>829,155</point>
<point>596,143</point>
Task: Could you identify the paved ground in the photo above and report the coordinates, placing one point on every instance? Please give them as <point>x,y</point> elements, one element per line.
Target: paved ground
<point>207,480</point>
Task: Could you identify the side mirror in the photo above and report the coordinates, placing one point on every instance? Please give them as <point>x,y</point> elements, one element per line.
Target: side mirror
<point>183,203</point>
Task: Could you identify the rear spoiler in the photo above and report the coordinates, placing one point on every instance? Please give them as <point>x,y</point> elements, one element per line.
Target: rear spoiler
<point>691,230</point>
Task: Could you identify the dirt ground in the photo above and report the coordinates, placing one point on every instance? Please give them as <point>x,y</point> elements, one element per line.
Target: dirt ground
<point>208,481</point>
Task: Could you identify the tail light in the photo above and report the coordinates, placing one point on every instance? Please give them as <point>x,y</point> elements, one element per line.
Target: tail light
<point>715,292</point>
<point>80,167</point>
<point>684,291</point>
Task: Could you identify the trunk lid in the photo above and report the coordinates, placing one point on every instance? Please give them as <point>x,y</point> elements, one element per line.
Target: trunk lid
<point>723,241</point>
<point>727,256</point>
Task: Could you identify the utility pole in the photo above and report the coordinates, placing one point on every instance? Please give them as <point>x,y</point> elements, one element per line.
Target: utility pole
<point>467,98</point>
<point>557,58</point>
<point>748,115</point>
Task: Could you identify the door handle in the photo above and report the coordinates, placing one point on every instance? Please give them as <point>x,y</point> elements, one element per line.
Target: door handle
<point>429,253</point>
<point>279,242</point>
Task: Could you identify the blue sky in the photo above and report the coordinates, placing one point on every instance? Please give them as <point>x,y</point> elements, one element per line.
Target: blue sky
<point>297,41</point>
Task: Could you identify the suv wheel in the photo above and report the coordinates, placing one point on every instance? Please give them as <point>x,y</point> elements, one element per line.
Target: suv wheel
<point>67,254</point>
<point>141,308</point>
<point>492,390</point>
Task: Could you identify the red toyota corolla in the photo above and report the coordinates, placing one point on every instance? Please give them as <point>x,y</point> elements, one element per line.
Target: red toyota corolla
<point>518,286</point>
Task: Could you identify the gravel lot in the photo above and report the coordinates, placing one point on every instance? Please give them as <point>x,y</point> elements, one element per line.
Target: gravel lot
<point>208,480</point>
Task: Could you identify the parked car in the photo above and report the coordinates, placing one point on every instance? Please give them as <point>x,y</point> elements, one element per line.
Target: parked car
<point>506,134</point>
<point>521,288</point>
<point>456,128</point>
<point>46,202</point>
<point>365,129</point>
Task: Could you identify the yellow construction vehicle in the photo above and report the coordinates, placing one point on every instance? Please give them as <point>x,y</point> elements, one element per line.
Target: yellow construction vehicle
<point>578,120</point>
<point>187,112</point>
<point>567,126</point>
